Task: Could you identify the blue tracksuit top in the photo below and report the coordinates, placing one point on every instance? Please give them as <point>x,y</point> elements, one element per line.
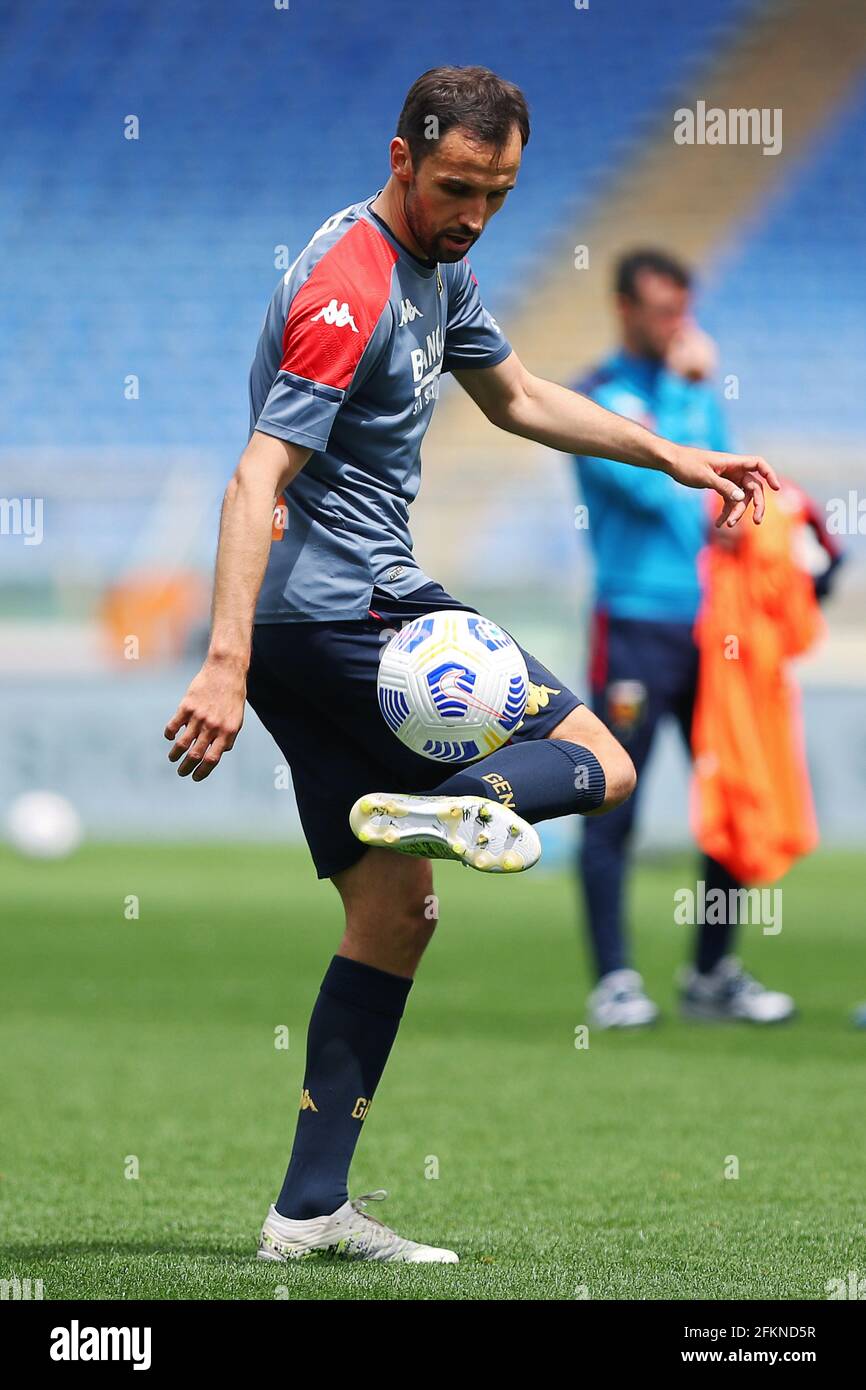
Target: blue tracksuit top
<point>646,530</point>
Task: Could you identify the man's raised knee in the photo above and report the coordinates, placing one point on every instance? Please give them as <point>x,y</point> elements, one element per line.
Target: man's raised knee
<point>620,777</point>
<point>585,729</point>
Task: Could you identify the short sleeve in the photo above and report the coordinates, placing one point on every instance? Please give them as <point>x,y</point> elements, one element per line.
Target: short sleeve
<point>337,324</point>
<point>473,338</point>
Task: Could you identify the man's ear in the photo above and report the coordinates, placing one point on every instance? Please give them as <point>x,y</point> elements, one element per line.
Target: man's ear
<point>401,160</point>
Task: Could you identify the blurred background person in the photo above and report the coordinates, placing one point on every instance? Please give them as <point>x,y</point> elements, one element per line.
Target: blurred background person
<point>646,543</point>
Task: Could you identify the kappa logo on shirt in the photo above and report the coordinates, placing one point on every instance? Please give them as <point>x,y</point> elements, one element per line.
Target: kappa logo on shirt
<point>408,313</point>
<point>337,315</point>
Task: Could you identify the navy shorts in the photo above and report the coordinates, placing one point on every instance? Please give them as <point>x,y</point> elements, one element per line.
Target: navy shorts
<point>313,686</point>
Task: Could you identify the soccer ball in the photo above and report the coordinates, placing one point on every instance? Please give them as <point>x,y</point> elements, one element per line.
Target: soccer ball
<point>452,686</point>
<point>43,825</point>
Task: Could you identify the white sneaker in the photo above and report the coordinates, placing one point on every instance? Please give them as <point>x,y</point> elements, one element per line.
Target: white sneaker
<point>351,1233</point>
<point>730,992</point>
<point>471,829</point>
<point>619,1001</point>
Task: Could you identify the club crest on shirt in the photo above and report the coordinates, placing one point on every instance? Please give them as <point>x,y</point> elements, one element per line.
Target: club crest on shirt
<point>626,705</point>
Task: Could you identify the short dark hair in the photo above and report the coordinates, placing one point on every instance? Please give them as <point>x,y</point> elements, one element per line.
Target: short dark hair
<point>474,99</point>
<point>629,267</point>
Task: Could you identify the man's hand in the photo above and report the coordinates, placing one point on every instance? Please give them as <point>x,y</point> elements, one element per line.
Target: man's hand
<point>739,478</point>
<point>210,714</point>
<point>212,711</point>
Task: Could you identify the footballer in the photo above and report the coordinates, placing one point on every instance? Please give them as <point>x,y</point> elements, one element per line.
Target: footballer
<point>315,562</point>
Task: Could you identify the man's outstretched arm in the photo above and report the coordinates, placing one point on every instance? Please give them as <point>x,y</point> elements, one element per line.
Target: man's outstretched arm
<point>516,401</point>
<point>211,713</point>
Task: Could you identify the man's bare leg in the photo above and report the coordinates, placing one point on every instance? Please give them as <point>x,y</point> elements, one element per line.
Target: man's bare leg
<point>390,910</point>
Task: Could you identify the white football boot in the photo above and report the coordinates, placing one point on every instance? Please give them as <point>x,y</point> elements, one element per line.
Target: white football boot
<point>351,1233</point>
<point>620,1001</point>
<point>730,992</point>
<point>470,829</point>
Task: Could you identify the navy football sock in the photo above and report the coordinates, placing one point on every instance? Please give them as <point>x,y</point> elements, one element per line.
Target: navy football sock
<point>352,1029</point>
<point>541,778</point>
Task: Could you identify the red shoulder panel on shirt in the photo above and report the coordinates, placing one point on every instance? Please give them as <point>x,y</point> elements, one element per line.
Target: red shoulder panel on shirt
<point>332,317</point>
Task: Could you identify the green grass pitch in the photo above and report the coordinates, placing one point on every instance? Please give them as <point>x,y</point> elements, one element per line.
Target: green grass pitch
<point>562,1173</point>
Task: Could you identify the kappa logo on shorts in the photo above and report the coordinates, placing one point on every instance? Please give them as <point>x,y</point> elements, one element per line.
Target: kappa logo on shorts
<point>539,697</point>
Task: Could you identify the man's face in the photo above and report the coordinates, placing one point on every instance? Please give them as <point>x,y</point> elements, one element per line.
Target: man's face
<point>653,318</point>
<point>455,190</point>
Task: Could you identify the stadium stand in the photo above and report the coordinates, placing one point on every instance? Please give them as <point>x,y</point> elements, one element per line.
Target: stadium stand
<point>788,296</point>
<point>156,255</point>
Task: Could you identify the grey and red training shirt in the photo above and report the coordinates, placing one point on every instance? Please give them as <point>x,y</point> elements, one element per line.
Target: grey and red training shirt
<point>348,363</point>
